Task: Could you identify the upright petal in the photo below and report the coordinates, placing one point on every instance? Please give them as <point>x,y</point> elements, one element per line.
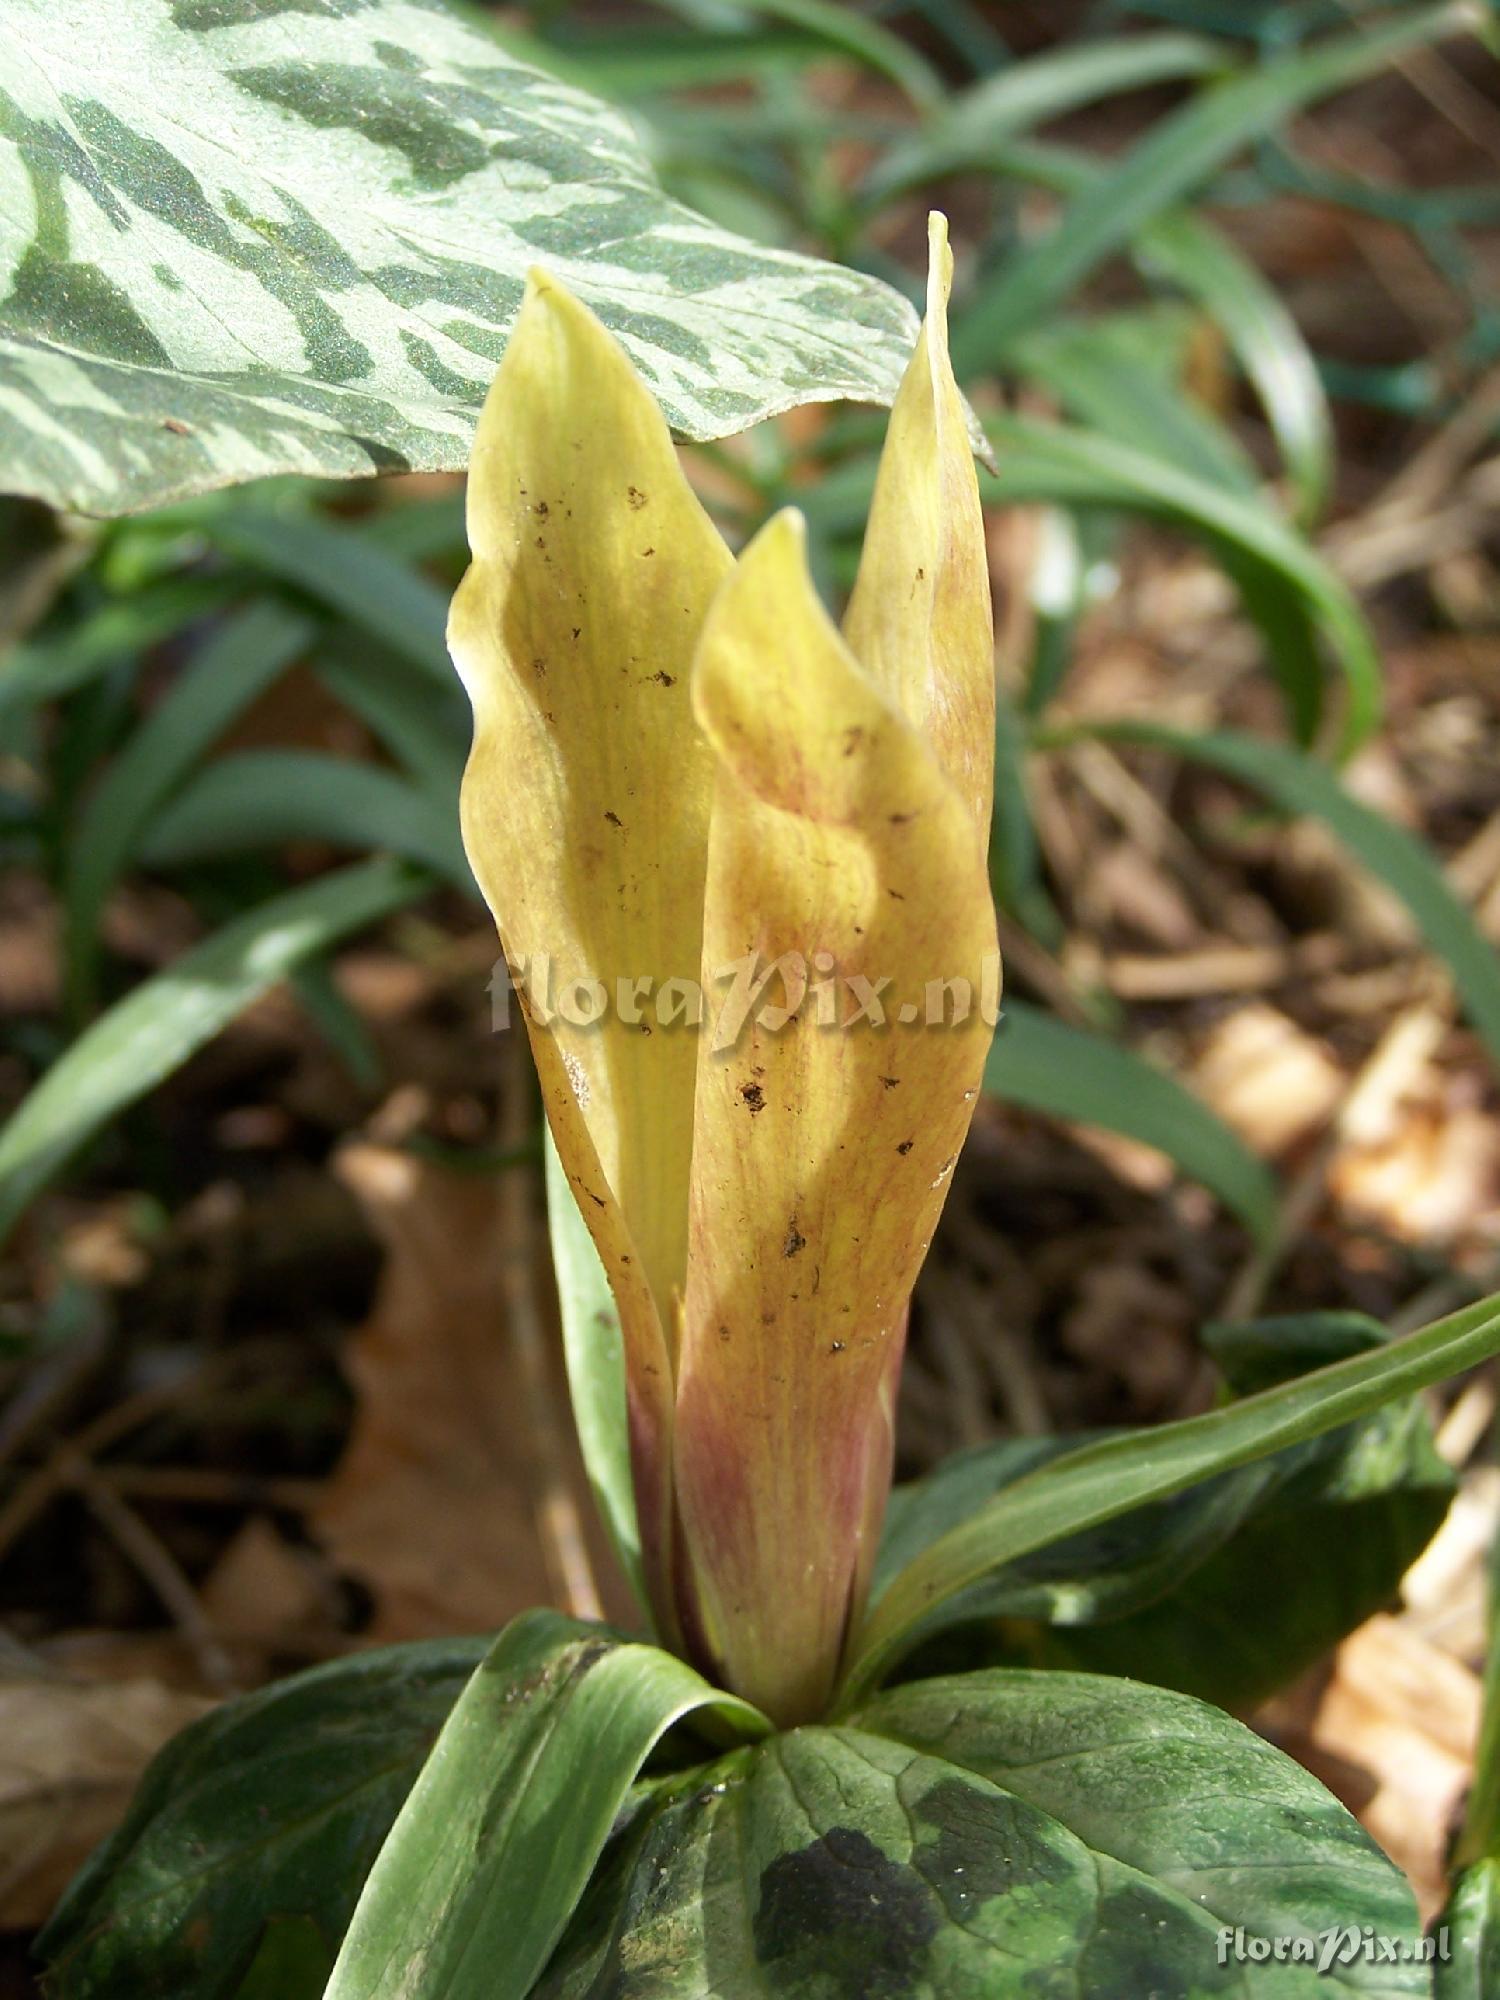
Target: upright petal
<point>919,620</point>
<point>823,1147</point>
<point>586,798</point>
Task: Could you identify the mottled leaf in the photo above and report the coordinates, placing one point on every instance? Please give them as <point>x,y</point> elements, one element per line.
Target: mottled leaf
<point>273,1807</point>
<point>987,1837</point>
<point>1310,1542</point>
<point>241,237</point>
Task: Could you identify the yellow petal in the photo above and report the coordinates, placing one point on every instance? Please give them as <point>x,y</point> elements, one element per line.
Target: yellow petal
<point>919,620</point>
<point>822,1153</point>
<point>585,802</point>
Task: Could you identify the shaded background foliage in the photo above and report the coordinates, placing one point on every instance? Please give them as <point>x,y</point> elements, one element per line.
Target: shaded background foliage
<point>1227,306</point>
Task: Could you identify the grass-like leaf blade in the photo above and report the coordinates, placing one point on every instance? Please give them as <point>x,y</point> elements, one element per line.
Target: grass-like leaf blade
<point>500,1834</point>
<point>150,1033</point>
<point>1094,1485</point>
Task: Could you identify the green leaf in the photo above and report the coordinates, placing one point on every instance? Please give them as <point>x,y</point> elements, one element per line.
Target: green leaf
<point>1323,1547</point>
<point>1177,155</point>
<point>842,28</point>
<point>1301,784</point>
<point>84,646</point>
<point>1075,467</point>
<point>259,798</point>
<point>293,1963</point>
<point>347,572</point>
<point>1190,253</point>
<point>1119,373</point>
<point>1046,1065</point>
<point>240,241</point>
<point>150,1033</point>
<point>1316,1538</point>
<point>964,132</point>
<point>1265,338</point>
<point>272,1807</point>
<point>1479,1839</point>
<point>594,1353</point>
<point>1466,1937</point>
<point>993,1836</point>
<point>500,1834</point>
<point>225,676</point>
<point>1088,1487</point>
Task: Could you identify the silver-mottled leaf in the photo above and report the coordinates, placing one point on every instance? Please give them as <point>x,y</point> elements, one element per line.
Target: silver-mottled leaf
<point>251,236</point>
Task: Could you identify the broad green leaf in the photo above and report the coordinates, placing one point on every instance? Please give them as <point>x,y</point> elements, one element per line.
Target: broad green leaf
<point>1465,1940</point>
<point>1177,155</point>
<point>1046,1065</point>
<point>990,1836</point>
<point>594,1353</point>
<point>236,240</point>
<point>1314,1539</point>
<point>1301,784</point>
<point>241,660</point>
<point>272,1807</point>
<point>154,1030</point>
<point>259,798</point>
<point>1088,1487</point>
<point>500,1834</point>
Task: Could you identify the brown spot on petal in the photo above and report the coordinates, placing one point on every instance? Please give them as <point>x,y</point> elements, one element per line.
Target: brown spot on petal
<point>795,1240</point>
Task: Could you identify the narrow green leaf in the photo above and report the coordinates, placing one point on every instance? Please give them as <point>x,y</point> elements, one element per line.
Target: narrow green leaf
<point>237,664</point>
<point>595,1358</point>
<point>1184,248</point>
<point>427,735</point>
<point>964,132</point>
<point>45,666</point>
<point>842,28</point>
<point>500,1834</point>
<point>260,798</point>
<point>1480,1837</point>
<point>1177,155</point>
<point>1301,784</point>
<point>1264,337</point>
<point>154,1030</point>
<point>1039,461</point>
<point>1046,1065</point>
<point>1319,1535</point>
<point>239,250</point>
<point>1465,1939</point>
<point>1117,373</point>
<point>346,572</point>
<point>1094,1485</point>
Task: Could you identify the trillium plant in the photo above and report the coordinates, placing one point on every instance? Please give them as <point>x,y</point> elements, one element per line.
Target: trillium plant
<point>968,1739</point>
